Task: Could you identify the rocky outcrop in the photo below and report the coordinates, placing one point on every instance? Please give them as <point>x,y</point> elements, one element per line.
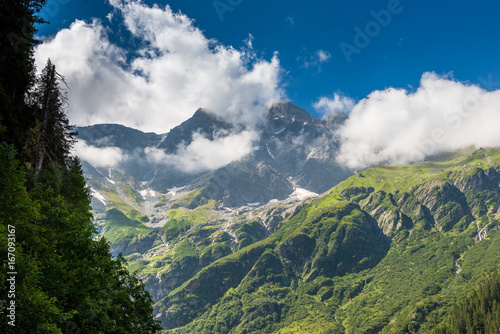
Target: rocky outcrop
<point>446,203</point>
<point>136,244</point>
<point>481,190</point>
<point>238,185</point>
<point>436,203</point>
<point>384,208</point>
<point>356,194</point>
<point>202,123</point>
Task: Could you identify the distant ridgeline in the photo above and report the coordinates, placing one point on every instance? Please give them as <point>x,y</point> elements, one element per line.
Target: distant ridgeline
<point>56,276</point>
<point>393,249</point>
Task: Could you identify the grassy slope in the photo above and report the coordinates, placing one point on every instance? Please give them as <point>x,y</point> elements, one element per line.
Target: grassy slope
<point>119,227</point>
<point>409,290</point>
<point>277,272</point>
<point>418,281</point>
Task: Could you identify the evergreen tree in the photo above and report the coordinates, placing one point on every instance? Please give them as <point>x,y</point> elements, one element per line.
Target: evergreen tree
<point>17,30</point>
<point>52,135</point>
<point>66,281</point>
<point>479,312</point>
<point>19,214</point>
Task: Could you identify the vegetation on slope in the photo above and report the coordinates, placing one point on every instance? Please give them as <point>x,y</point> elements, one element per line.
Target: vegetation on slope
<point>332,267</point>
<point>479,312</point>
<point>313,245</point>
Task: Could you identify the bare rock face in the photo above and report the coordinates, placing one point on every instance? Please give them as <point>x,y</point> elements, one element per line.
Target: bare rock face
<point>293,149</point>
<point>446,203</point>
<point>479,188</point>
<point>238,185</point>
<point>303,147</point>
<point>202,123</point>
<point>437,203</point>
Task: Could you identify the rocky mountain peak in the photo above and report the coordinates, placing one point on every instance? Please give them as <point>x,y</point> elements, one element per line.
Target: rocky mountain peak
<point>116,135</point>
<point>288,113</point>
<point>202,122</point>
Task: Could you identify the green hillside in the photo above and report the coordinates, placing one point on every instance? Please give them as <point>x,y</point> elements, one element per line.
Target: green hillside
<point>391,250</point>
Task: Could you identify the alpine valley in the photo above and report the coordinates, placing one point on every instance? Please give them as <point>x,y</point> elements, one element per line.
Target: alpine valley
<point>285,240</point>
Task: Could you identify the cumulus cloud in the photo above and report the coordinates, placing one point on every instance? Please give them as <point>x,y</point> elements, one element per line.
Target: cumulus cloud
<point>339,103</point>
<point>204,154</point>
<point>398,126</point>
<point>174,71</point>
<point>99,157</point>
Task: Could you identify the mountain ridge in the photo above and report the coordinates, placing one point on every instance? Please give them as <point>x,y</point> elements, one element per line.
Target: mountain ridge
<point>247,248</point>
<point>435,257</point>
<point>301,154</point>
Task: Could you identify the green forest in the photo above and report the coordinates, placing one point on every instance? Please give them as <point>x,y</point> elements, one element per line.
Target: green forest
<point>57,276</point>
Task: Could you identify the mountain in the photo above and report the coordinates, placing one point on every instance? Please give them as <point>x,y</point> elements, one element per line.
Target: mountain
<point>148,208</point>
<point>251,247</point>
<point>389,250</point>
<point>202,122</point>
<point>294,150</point>
<point>302,146</point>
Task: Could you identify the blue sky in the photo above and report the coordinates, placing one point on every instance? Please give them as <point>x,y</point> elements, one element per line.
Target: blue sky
<point>443,36</point>
<point>416,77</point>
<point>342,47</point>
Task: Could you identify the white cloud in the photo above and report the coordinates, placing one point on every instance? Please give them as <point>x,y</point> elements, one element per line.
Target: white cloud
<point>99,157</point>
<point>203,154</point>
<point>323,56</point>
<point>397,126</point>
<point>338,103</point>
<point>315,60</point>
<point>175,71</point>
<point>249,41</point>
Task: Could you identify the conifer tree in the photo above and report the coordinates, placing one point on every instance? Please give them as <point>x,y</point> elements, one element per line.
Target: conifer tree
<point>66,279</point>
<point>17,29</point>
<point>52,136</point>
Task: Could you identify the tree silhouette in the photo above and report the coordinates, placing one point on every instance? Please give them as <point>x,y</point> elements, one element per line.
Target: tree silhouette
<point>51,136</point>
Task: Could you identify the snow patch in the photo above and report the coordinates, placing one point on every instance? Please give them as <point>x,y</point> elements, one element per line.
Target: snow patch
<point>98,196</point>
<point>104,176</point>
<point>147,193</point>
<point>274,200</point>
<point>174,190</point>
<point>269,151</point>
<point>301,193</point>
<point>109,177</point>
<point>314,149</point>
<point>280,131</point>
<point>162,140</point>
<point>253,204</point>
